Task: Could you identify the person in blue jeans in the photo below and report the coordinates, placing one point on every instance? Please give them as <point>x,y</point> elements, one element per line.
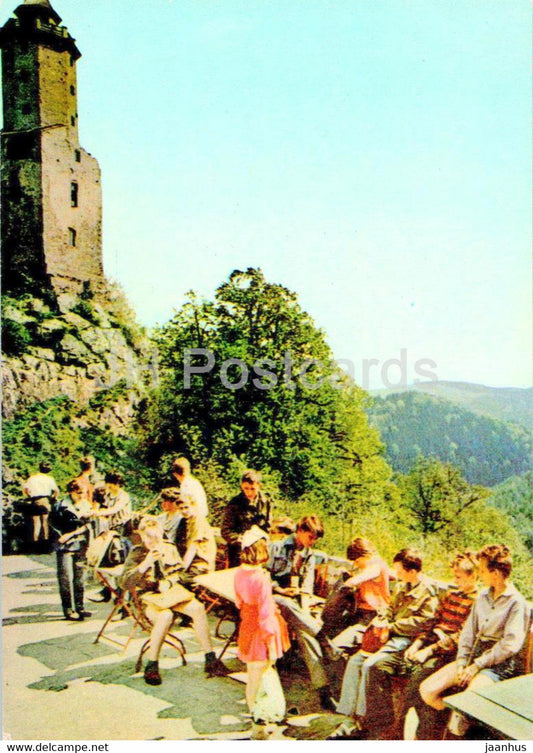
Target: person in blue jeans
<point>70,525</point>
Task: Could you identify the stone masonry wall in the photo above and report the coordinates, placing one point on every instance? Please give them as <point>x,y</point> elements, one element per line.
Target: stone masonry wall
<point>63,161</point>
<point>22,251</point>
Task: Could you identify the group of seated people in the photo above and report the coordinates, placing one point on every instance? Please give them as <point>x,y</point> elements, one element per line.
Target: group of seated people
<point>391,622</point>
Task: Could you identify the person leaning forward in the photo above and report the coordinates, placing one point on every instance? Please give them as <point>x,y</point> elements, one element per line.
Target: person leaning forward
<point>250,507</point>
<point>292,567</point>
<point>154,568</point>
<point>368,676</point>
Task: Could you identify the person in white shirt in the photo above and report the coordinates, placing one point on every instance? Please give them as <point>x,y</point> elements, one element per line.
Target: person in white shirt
<point>189,485</point>
<point>41,490</point>
<point>491,638</point>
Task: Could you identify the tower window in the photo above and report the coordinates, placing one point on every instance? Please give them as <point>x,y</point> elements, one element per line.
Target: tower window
<point>73,195</point>
<point>77,155</point>
<point>72,236</point>
<point>72,90</point>
<point>72,120</point>
<point>71,61</point>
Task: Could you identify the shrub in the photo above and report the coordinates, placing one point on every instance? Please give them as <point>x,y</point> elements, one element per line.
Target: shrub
<point>15,337</point>
<point>84,309</point>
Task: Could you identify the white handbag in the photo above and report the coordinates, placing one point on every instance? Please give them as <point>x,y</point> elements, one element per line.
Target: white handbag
<point>269,704</point>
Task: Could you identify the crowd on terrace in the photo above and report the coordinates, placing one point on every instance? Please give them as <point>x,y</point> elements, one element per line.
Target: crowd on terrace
<point>392,627</point>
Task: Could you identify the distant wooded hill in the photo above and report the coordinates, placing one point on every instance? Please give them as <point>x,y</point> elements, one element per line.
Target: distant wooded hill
<point>487,450</point>
<point>503,403</point>
<point>515,497</point>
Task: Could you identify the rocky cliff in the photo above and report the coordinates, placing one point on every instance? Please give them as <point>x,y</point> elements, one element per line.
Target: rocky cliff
<point>78,353</point>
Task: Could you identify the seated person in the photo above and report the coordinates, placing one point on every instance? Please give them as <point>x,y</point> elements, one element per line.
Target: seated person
<point>171,517</point>
<point>250,507</point>
<point>115,511</point>
<point>358,597</point>
<point>292,567</point>
<point>412,607</point>
<point>196,541</point>
<point>490,640</point>
<point>281,528</point>
<point>152,565</point>
<point>437,646</point>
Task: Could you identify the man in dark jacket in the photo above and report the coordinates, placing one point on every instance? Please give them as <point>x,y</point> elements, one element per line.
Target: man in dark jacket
<point>248,508</point>
<point>69,520</point>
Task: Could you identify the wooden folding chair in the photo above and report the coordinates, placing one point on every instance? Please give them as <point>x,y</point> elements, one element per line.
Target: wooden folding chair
<point>139,615</point>
<point>220,596</point>
<point>108,577</point>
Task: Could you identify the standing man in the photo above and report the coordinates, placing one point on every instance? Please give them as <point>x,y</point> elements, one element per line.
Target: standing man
<point>189,485</point>
<point>247,509</point>
<point>41,491</point>
<point>70,518</point>
<point>84,479</point>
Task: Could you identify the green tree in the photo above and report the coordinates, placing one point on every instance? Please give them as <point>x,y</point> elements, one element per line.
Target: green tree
<point>515,498</point>
<point>291,408</point>
<point>436,495</point>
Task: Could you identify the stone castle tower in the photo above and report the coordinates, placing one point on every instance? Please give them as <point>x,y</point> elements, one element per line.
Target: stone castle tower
<point>51,190</point>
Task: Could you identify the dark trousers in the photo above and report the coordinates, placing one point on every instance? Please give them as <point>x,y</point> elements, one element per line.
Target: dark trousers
<point>70,575</point>
<point>339,612</point>
<point>431,723</point>
<point>234,554</point>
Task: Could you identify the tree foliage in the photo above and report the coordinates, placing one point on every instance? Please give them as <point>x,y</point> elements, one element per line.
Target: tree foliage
<point>436,494</point>
<point>295,413</point>
<point>515,498</point>
<point>60,432</point>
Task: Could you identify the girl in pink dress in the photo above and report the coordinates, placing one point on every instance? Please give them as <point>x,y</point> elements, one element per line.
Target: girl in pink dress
<point>263,635</point>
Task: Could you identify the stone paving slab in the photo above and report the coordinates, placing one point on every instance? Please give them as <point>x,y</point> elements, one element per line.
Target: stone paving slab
<point>59,685</point>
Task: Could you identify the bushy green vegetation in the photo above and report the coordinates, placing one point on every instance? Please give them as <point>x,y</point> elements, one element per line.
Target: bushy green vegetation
<point>84,309</point>
<point>311,430</point>
<point>514,497</point>
<point>486,450</point>
<point>313,443</point>
<point>16,337</point>
<point>123,317</point>
<point>61,432</point>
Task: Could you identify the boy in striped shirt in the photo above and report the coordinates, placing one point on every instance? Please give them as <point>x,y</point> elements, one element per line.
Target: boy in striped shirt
<point>438,646</point>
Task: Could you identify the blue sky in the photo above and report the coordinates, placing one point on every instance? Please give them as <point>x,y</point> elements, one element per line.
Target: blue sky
<point>372,155</point>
